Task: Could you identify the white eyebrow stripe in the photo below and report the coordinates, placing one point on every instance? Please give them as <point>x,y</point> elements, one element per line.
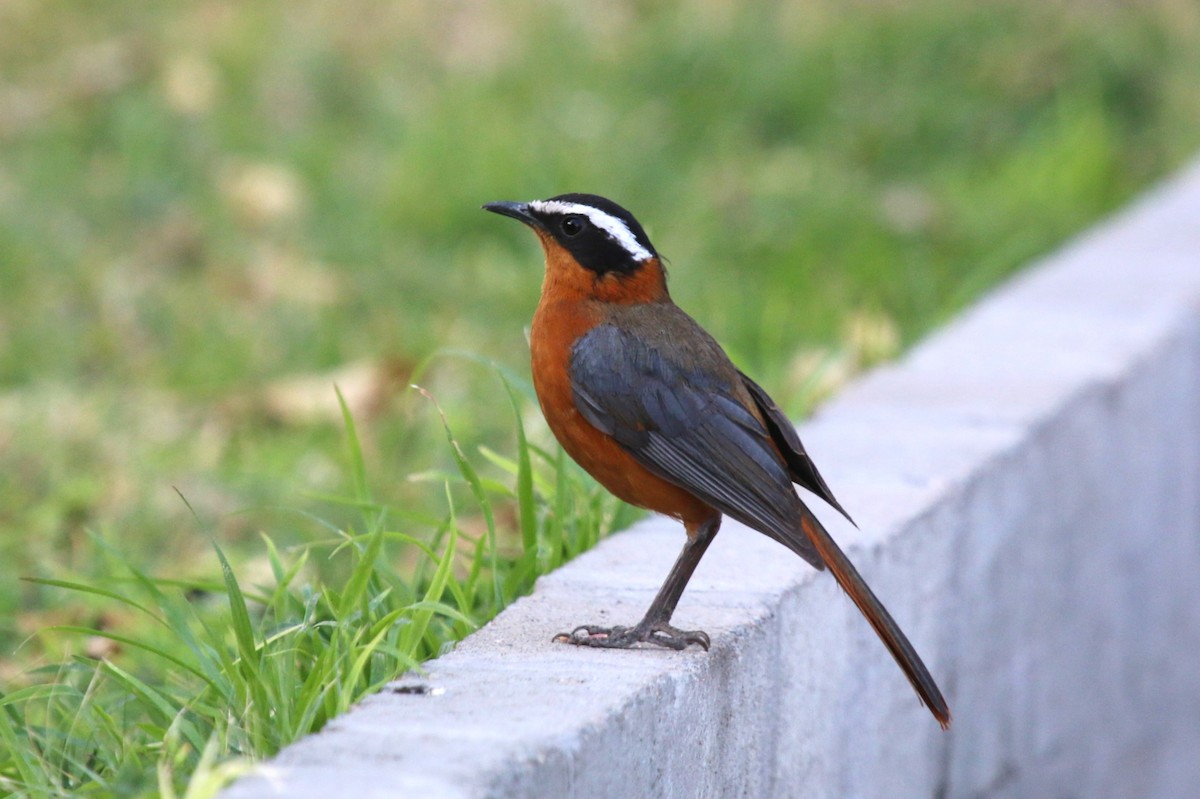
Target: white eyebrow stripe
<point>615,228</point>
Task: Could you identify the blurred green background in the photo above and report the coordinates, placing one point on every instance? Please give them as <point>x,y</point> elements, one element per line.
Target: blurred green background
<point>210,211</point>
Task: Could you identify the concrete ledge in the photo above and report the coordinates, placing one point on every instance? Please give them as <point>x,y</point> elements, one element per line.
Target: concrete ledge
<point>1028,485</point>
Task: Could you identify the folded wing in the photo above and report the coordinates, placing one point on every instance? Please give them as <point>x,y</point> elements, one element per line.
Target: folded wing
<point>684,421</point>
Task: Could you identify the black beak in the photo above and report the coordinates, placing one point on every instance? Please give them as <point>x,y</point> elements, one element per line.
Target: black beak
<point>518,211</point>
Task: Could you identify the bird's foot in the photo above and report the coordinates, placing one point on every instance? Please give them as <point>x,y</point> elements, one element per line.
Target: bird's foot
<point>657,633</point>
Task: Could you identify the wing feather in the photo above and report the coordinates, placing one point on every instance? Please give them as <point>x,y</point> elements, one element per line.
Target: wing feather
<point>800,465</point>
<point>683,422</point>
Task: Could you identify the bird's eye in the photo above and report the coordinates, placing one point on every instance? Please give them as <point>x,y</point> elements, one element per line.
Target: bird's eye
<point>572,225</point>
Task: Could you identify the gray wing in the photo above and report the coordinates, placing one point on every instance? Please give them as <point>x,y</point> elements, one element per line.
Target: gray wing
<point>800,466</point>
<point>684,422</point>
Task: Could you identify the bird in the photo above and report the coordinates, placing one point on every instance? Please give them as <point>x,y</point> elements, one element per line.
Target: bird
<point>648,403</point>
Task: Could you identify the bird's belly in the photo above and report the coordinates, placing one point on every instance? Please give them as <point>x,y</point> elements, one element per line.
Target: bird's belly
<point>555,330</point>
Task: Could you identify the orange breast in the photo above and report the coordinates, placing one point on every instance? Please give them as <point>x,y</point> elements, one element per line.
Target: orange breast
<point>558,323</point>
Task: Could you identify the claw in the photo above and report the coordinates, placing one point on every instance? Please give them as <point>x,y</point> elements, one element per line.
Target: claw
<point>659,634</point>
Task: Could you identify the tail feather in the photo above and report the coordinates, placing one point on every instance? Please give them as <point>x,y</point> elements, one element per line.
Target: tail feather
<point>885,626</point>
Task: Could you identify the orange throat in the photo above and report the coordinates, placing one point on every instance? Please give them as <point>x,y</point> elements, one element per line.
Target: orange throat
<point>566,279</point>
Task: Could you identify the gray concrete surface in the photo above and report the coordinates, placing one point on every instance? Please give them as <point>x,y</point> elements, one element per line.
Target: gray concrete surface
<point>1028,486</point>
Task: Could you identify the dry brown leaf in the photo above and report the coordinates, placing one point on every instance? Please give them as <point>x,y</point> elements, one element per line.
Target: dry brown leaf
<point>189,84</point>
<point>870,337</point>
<point>261,194</point>
<point>278,273</point>
<point>367,386</point>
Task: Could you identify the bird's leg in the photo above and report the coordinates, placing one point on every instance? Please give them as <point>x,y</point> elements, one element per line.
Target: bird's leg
<point>655,627</point>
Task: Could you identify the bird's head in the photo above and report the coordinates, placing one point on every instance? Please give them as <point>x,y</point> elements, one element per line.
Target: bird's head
<point>593,246</point>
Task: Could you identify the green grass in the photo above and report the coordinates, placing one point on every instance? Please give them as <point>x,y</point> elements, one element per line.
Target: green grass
<point>226,672</point>
<point>211,212</point>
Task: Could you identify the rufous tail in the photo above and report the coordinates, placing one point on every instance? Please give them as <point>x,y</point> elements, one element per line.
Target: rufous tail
<point>885,626</point>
